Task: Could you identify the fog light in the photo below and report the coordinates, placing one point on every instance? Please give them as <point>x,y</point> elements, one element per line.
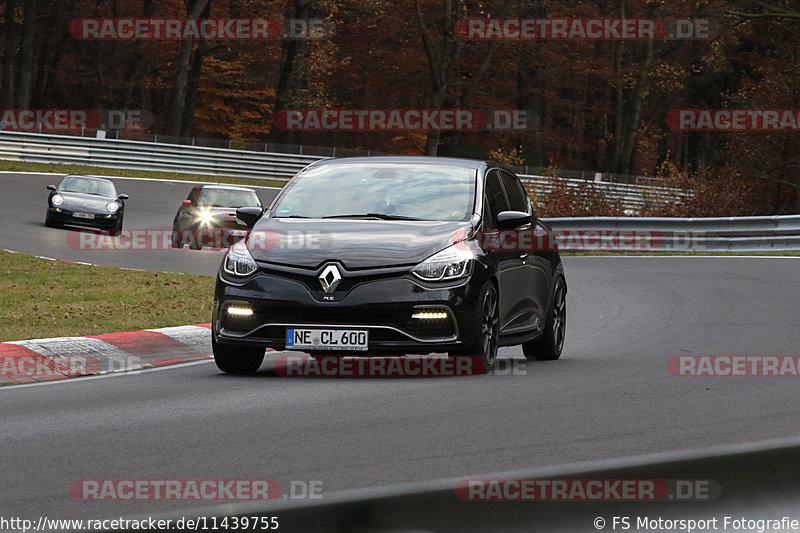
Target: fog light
<point>430,315</point>
<point>240,311</point>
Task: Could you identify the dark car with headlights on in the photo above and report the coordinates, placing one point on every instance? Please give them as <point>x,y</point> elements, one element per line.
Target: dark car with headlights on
<point>391,256</point>
<point>208,216</point>
<point>85,201</point>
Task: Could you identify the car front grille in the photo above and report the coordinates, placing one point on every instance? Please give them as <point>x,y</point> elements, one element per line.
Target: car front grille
<point>349,281</point>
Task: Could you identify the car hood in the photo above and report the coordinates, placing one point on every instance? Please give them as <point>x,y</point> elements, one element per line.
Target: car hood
<point>356,243</point>
<point>74,200</point>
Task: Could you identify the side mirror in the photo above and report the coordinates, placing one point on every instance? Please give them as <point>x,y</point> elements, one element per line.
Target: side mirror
<point>122,197</point>
<point>512,219</point>
<point>248,216</point>
<point>51,187</point>
<point>186,203</point>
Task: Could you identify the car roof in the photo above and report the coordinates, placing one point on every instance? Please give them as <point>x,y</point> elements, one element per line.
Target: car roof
<point>419,160</point>
<point>87,178</point>
<point>225,187</point>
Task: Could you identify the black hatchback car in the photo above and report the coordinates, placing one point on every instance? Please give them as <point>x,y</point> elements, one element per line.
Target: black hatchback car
<point>208,216</point>
<point>85,201</point>
<point>391,255</point>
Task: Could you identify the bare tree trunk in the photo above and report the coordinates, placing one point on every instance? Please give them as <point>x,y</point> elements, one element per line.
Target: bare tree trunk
<point>184,65</point>
<point>9,55</point>
<point>441,60</point>
<point>291,49</point>
<point>612,159</point>
<point>25,72</point>
<point>191,92</point>
<point>135,65</point>
<point>636,103</point>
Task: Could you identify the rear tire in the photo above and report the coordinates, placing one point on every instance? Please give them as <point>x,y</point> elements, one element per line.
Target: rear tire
<point>550,343</point>
<point>237,359</point>
<point>487,324</point>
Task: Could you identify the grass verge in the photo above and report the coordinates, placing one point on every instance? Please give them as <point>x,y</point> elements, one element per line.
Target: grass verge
<point>19,166</point>
<point>41,298</point>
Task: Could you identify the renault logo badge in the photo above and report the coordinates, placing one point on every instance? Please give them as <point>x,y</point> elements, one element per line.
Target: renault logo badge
<point>330,278</point>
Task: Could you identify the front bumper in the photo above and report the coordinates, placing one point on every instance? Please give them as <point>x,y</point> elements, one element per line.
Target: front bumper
<point>383,306</point>
<point>210,236</point>
<point>103,220</point>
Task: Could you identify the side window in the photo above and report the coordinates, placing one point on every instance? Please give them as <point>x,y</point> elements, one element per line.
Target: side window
<point>194,195</point>
<point>496,200</point>
<point>516,193</point>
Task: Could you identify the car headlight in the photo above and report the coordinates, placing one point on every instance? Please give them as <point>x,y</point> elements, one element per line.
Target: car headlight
<point>57,199</point>
<point>205,218</point>
<point>451,263</point>
<point>238,261</point>
<point>112,206</point>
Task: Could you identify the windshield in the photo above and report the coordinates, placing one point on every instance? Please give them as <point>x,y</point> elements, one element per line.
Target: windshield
<point>422,192</point>
<point>88,186</point>
<point>228,198</point>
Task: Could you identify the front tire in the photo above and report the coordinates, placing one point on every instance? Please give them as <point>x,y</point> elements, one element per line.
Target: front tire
<point>116,229</point>
<point>487,324</point>
<point>237,359</point>
<point>550,343</point>
<point>195,243</point>
<point>176,238</point>
<point>50,223</point>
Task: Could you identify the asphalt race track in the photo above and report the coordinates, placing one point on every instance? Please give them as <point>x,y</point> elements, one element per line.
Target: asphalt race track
<point>152,206</point>
<point>609,396</point>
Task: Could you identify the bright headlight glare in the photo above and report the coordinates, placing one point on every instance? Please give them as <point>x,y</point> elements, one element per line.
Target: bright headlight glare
<point>57,199</point>
<point>240,311</point>
<point>430,315</point>
<point>113,207</point>
<point>451,263</point>
<point>205,217</point>
<point>238,261</point>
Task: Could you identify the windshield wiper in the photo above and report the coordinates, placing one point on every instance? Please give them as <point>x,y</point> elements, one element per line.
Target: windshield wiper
<point>291,216</point>
<point>381,216</point>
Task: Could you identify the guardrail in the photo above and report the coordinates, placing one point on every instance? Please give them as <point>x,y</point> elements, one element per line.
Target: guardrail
<point>136,155</point>
<point>632,197</point>
<point>734,234</point>
<point>180,158</point>
<point>758,480</point>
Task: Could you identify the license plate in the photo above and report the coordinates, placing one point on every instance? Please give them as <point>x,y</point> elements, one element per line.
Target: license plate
<point>88,216</point>
<point>327,339</point>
